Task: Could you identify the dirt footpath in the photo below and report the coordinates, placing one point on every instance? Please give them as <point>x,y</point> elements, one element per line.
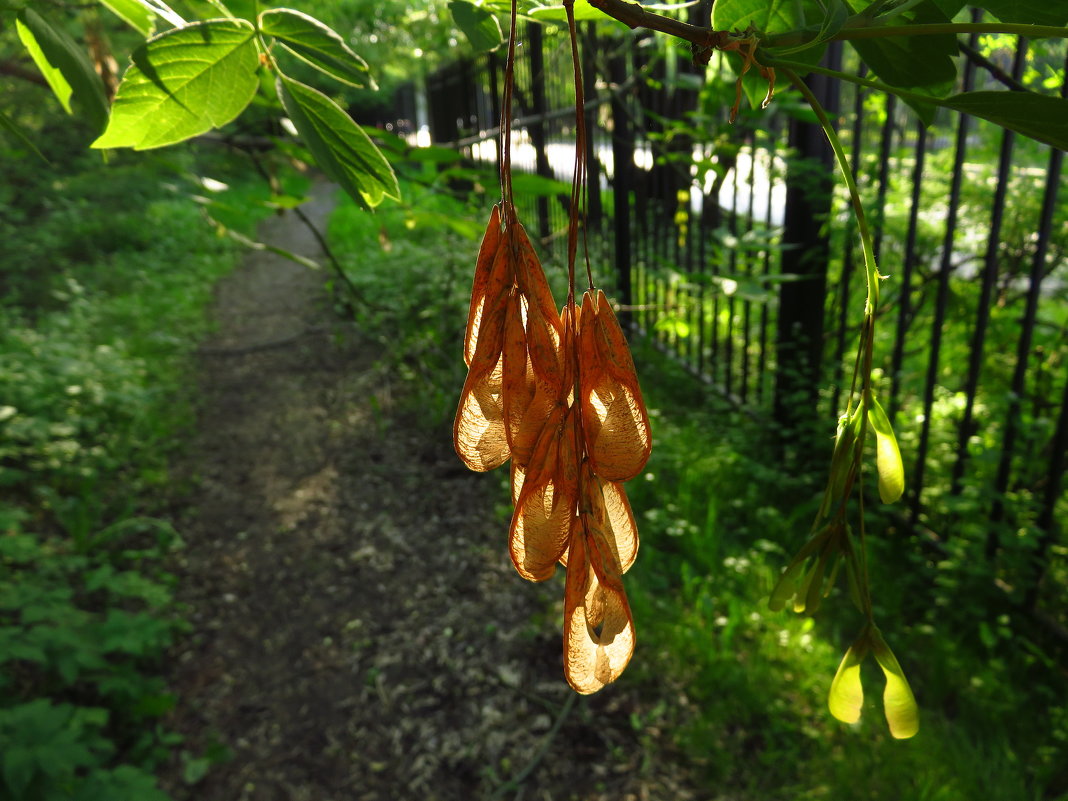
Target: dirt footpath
<point>358,630</point>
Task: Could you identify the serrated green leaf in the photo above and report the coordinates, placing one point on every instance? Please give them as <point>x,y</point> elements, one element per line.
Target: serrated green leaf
<point>183,83</point>
<point>887,455</point>
<point>1040,117</point>
<point>846,697</point>
<point>899,704</point>
<point>134,14</point>
<point>1027,12</point>
<point>315,43</point>
<point>65,66</point>
<point>340,147</point>
<point>480,27</point>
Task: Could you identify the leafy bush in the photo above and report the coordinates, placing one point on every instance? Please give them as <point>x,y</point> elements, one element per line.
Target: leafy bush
<point>107,272</point>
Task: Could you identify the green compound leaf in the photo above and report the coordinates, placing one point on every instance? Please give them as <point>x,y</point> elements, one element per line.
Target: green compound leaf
<point>182,83</point>
<point>911,61</point>
<point>479,26</point>
<point>846,697</point>
<point>340,147</point>
<point>887,455</point>
<point>1040,117</point>
<point>65,66</point>
<point>899,704</point>
<point>134,14</point>
<point>318,45</point>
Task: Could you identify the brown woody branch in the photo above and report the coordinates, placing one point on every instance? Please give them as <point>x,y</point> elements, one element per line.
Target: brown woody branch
<point>16,70</point>
<point>634,16</point>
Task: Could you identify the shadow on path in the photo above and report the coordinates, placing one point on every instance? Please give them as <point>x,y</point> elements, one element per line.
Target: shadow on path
<point>358,630</point>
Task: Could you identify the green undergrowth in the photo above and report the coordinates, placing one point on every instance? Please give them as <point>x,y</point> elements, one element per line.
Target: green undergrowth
<point>411,265</point>
<point>719,515</point>
<point>107,273</point>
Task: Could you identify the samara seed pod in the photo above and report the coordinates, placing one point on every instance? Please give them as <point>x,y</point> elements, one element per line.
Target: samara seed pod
<point>478,431</point>
<point>615,421</point>
<point>598,625</point>
<point>487,252</point>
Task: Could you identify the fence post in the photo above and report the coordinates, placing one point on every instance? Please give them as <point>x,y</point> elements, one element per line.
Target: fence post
<point>537,128</point>
<point>594,212</point>
<point>799,338</point>
<point>622,176</point>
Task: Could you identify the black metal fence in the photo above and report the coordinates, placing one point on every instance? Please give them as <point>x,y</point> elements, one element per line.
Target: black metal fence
<point>730,246</point>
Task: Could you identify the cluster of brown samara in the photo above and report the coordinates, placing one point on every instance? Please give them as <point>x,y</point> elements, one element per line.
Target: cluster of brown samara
<point>556,392</point>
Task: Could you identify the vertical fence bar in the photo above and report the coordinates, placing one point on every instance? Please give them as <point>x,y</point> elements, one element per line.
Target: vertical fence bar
<point>622,178</point>
<point>537,128</point>
<point>905,297</point>
<point>594,210</point>
<point>990,273</point>
<point>1046,522</point>
<point>941,298</point>
<point>1019,381</point>
<point>732,268</point>
<point>848,263</point>
<point>884,177</point>
<point>746,303</point>
<point>772,146</point>
<point>799,338</point>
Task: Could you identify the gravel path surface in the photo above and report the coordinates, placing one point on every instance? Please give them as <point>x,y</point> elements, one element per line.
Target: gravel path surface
<point>358,630</point>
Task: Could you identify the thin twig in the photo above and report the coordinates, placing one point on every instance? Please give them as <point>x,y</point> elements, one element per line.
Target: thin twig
<point>997,72</point>
<point>516,781</point>
<point>353,290</point>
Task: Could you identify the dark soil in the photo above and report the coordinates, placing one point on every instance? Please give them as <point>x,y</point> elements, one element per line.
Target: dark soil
<point>358,630</point>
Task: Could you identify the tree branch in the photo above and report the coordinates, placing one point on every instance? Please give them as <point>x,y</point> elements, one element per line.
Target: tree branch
<point>16,70</point>
<point>634,16</point>
<point>978,58</point>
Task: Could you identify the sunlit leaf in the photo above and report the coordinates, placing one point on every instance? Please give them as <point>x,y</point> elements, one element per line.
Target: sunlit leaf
<point>899,704</point>
<point>887,455</point>
<point>183,83</point>
<point>134,14</point>
<point>317,44</point>
<point>1042,117</point>
<point>551,12</point>
<point>480,27</point>
<point>846,697</point>
<point>341,148</point>
<point>65,66</point>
